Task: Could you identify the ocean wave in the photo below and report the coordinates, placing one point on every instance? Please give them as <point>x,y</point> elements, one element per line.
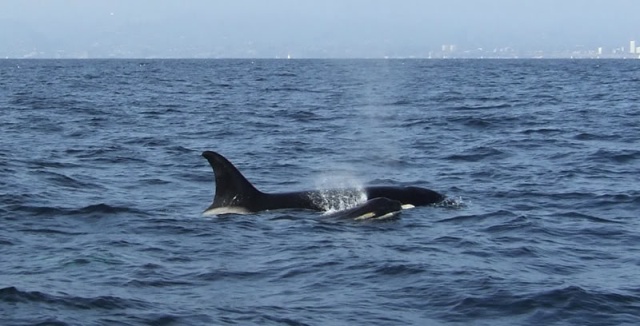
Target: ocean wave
<point>615,156</point>
<point>156,283</point>
<point>544,131</point>
<point>399,270</point>
<point>591,218</point>
<point>94,210</point>
<point>479,107</point>
<point>220,275</point>
<point>478,154</point>
<point>479,217</point>
<point>51,231</point>
<point>572,304</point>
<point>13,295</point>
<point>518,223</point>
<point>4,241</point>
<point>62,180</point>
<point>593,136</point>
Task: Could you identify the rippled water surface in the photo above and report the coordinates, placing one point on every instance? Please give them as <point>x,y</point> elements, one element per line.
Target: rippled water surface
<point>102,187</point>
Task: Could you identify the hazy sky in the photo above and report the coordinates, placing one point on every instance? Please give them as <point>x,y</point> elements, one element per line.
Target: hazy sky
<point>306,28</point>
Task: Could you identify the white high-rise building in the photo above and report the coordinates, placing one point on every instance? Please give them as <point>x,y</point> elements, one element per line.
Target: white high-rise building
<point>632,47</point>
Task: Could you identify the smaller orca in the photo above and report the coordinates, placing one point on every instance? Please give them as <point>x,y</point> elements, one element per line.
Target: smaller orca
<point>234,194</point>
<point>375,209</point>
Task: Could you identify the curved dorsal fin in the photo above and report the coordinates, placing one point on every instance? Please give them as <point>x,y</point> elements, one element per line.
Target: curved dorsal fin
<point>233,190</point>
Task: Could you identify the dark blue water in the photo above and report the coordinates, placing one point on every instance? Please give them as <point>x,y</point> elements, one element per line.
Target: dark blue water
<point>102,187</point>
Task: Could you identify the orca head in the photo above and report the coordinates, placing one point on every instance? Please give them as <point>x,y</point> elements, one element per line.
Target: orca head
<point>418,196</point>
<point>408,196</point>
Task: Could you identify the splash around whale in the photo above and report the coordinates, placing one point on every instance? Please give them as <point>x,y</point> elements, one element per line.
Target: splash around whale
<point>234,194</point>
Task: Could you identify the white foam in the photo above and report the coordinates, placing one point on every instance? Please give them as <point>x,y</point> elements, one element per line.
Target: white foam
<point>455,202</point>
<point>339,191</point>
<point>335,200</point>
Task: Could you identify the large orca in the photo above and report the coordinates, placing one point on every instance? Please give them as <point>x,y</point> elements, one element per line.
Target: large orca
<point>234,194</point>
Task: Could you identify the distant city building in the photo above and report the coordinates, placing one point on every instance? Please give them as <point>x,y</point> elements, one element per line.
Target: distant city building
<point>632,47</point>
<point>448,48</point>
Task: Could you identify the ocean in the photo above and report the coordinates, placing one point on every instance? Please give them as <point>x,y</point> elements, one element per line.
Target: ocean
<point>102,189</point>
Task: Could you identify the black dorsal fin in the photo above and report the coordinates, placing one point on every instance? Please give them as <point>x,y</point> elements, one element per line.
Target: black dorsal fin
<point>232,188</point>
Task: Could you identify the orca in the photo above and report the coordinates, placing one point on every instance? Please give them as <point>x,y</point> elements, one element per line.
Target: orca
<point>234,194</point>
<point>374,209</point>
